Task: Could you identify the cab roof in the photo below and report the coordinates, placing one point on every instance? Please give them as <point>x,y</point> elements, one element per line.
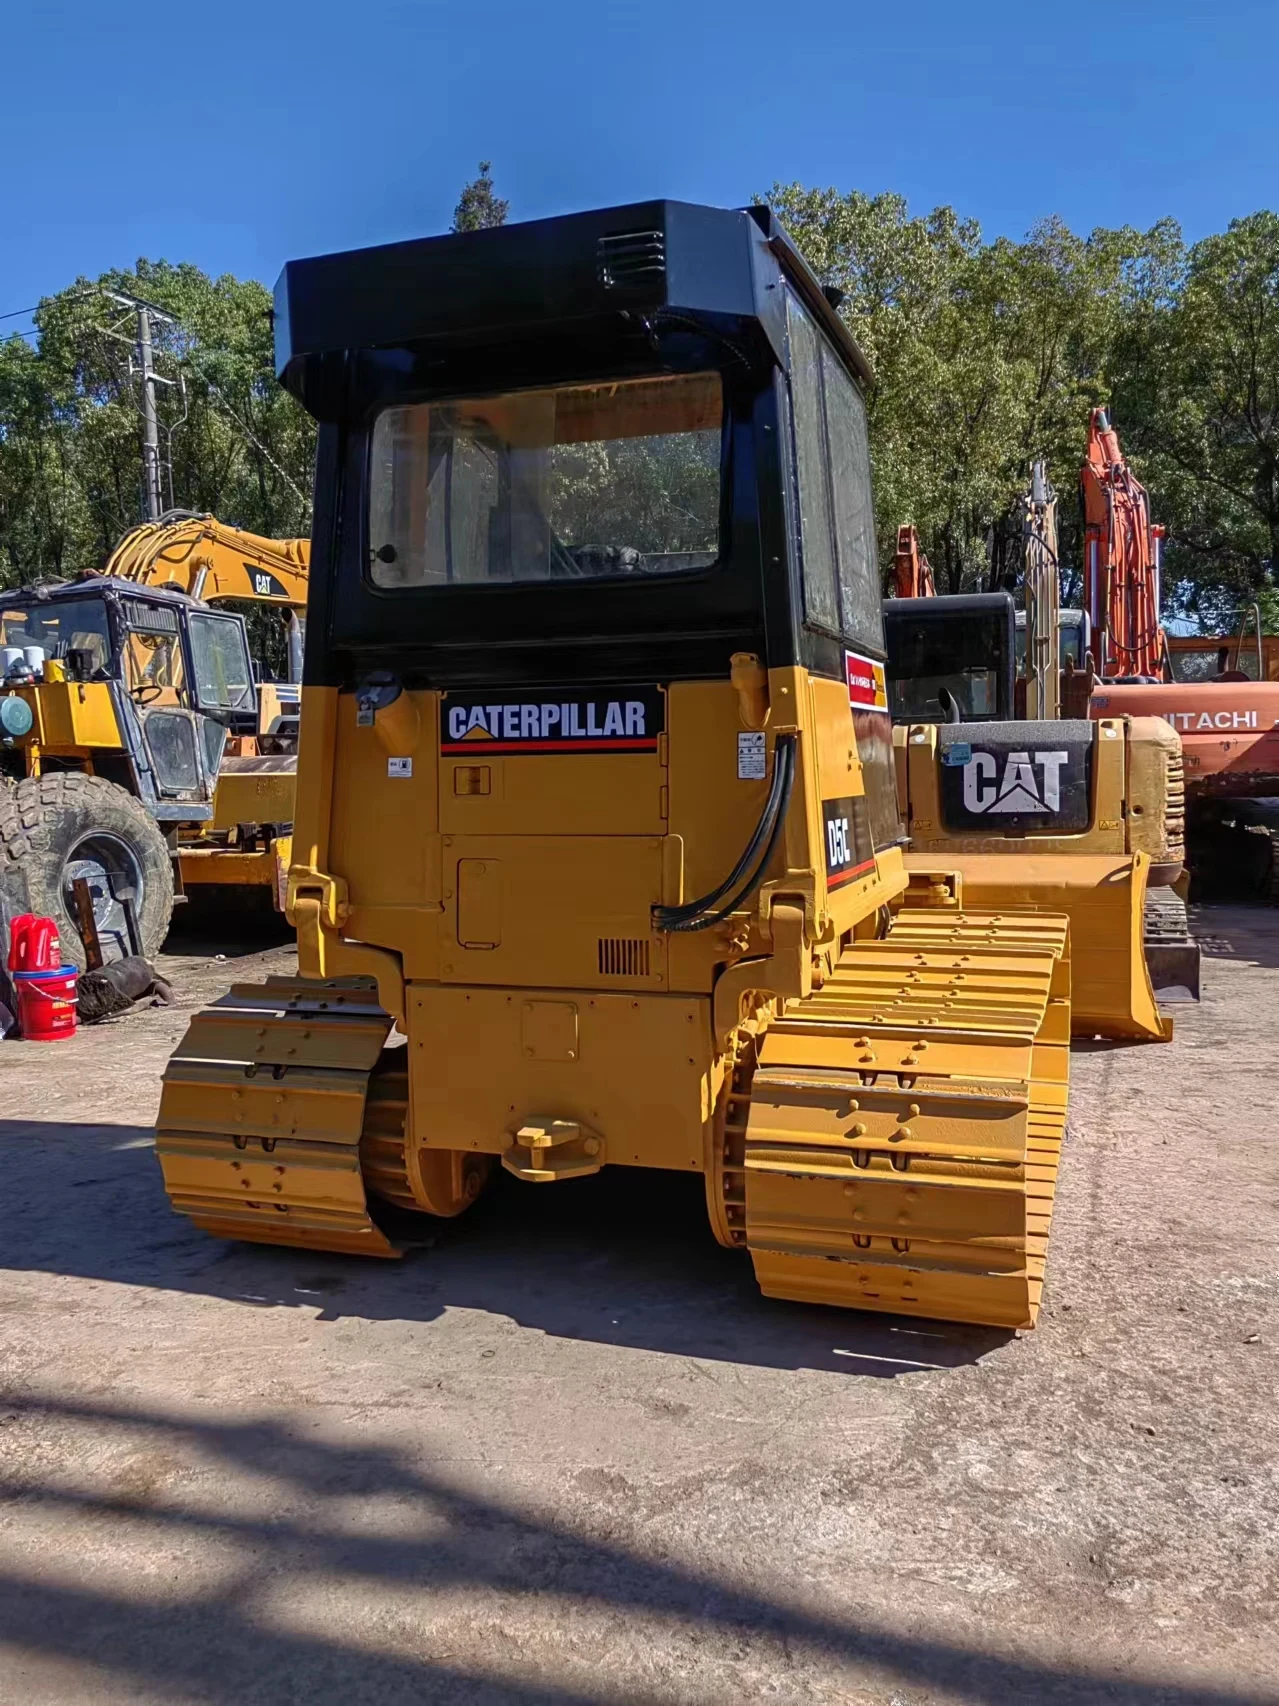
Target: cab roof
<point>548,276</point>
<point>92,585</point>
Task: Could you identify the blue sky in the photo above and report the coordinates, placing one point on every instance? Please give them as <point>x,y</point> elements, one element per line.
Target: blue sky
<point>241,135</point>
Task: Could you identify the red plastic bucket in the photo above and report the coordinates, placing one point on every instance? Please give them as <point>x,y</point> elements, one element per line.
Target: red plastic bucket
<point>46,1004</point>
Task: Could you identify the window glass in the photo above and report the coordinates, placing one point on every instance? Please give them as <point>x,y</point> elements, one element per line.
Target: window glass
<point>154,661</point>
<point>60,626</point>
<point>859,586</point>
<point>1207,662</point>
<point>1070,641</point>
<point>812,471</point>
<point>581,482</point>
<point>220,658</point>
<point>929,653</point>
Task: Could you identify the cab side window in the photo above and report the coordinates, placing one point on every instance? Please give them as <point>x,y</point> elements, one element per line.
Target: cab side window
<point>832,473</point>
<point>812,472</point>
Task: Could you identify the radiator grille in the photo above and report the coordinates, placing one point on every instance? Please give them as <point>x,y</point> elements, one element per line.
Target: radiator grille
<point>623,956</point>
<point>1175,812</point>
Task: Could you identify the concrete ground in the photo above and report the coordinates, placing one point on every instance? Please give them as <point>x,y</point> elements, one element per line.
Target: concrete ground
<point>568,1455</point>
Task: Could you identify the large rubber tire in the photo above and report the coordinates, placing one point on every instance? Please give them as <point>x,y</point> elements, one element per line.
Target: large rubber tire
<point>46,819</point>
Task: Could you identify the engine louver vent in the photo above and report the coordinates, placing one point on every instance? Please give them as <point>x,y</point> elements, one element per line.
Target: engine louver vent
<point>630,258</point>
<point>623,956</point>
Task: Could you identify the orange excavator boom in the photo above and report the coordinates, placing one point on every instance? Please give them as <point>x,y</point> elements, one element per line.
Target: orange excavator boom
<point>912,572</point>
<point>1122,551</point>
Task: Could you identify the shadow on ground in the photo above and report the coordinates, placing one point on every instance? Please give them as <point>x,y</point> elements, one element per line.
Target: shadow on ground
<point>220,1646</point>
<point>1246,933</point>
<point>231,922</point>
<point>625,1258</point>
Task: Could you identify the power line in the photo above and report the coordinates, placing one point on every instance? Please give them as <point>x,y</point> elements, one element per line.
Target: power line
<point>78,296</point>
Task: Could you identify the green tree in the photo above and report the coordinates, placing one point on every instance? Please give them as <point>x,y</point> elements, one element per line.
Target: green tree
<point>477,207</point>
<point>233,442</point>
<point>1203,404</point>
<point>986,356</point>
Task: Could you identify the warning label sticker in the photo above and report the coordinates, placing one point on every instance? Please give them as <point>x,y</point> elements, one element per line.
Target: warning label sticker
<point>752,756</point>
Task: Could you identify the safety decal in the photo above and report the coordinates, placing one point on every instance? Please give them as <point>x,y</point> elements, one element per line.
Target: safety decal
<point>867,684</point>
<point>850,851</point>
<point>625,719</point>
<point>752,756</point>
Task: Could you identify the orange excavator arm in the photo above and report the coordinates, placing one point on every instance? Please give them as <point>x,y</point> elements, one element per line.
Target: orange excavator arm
<point>912,572</point>
<point>204,557</point>
<point>1122,551</point>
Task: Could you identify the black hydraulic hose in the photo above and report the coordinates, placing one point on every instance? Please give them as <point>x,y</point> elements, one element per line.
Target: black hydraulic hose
<point>667,916</point>
<point>744,894</point>
<point>695,915</point>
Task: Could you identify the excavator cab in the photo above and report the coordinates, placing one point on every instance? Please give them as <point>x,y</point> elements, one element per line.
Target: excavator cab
<point>596,802</point>
<point>950,659</point>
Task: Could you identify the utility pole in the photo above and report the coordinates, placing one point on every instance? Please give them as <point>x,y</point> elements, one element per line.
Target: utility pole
<point>152,491</point>
<point>152,468</point>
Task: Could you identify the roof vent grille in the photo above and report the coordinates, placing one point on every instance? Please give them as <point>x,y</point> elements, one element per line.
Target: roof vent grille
<point>631,258</point>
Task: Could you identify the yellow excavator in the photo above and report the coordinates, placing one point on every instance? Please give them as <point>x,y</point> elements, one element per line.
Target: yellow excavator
<point>147,755</point>
<point>230,568</point>
<point>597,856</point>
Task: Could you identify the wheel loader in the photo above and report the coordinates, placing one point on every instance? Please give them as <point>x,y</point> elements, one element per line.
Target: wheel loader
<point>597,856</point>
<point>142,753</point>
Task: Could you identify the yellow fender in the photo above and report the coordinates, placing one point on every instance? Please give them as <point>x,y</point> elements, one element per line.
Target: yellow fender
<point>1104,896</point>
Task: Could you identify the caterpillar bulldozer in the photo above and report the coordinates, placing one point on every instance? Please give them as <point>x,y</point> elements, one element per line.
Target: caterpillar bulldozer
<point>1064,814</point>
<point>145,755</point>
<point>597,856</point>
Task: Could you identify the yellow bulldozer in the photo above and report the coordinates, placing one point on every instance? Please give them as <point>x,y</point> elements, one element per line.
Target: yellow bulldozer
<point>1037,809</point>
<point>597,854</point>
<point>146,755</point>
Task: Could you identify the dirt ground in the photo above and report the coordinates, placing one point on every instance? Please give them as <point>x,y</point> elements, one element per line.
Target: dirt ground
<point>568,1455</point>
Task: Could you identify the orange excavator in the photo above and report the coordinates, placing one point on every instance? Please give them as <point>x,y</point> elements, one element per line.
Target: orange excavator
<point>1123,553</point>
<point>1229,725</point>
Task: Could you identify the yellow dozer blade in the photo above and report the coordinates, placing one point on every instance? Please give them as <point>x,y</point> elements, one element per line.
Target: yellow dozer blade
<point>1104,896</point>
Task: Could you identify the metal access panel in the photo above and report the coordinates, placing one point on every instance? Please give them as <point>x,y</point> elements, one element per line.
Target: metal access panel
<point>1016,778</point>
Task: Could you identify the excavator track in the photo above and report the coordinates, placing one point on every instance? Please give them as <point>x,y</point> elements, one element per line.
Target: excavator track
<point>279,1107</point>
<point>891,1142</point>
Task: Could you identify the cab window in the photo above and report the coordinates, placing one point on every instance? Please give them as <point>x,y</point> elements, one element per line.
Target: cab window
<point>575,482</point>
<point>153,662</point>
<point>832,477</point>
<point>220,660</point>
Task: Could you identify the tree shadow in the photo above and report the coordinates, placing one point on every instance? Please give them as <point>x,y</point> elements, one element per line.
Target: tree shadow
<point>625,1258</point>
<point>220,1645</point>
